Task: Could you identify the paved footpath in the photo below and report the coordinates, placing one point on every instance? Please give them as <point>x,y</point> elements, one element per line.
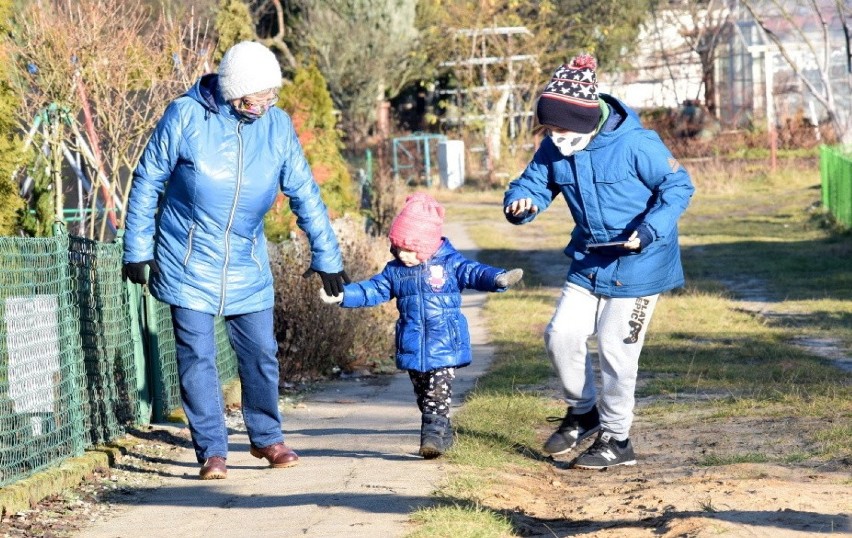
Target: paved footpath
<point>359,473</point>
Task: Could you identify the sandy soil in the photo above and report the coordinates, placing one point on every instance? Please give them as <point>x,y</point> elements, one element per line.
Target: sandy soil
<point>667,494</point>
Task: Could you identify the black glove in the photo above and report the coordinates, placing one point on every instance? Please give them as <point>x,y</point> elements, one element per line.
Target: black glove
<point>332,283</point>
<point>135,271</point>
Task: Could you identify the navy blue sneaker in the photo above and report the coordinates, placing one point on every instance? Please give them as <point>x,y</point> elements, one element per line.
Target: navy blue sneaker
<point>572,430</point>
<point>606,452</point>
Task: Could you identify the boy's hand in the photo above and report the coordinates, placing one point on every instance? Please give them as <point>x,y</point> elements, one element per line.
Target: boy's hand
<point>509,278</point>
<point>639,239</point>
<point>521,208</point>
<point>330,299</point>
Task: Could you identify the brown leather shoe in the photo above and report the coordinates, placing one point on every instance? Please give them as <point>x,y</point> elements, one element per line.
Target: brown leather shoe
<point>279,455</point>
<point>214,468</point>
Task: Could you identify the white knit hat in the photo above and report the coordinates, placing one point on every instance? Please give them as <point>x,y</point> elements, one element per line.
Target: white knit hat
<point>248,67</point>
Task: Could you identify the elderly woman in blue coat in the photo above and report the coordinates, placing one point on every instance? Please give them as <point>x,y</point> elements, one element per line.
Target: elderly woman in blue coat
<point>626,193</point>
<point>210,172</point>
<point>426,277</point>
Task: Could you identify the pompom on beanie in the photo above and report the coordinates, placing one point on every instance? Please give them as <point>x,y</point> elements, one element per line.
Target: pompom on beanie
<point>419,226</point>
<point>570,100</point>
<point>246,68</point>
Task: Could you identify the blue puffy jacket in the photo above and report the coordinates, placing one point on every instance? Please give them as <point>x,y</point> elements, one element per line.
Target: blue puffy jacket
<point>431,331</point>
<point>626,179</point>
<point>202,187</point>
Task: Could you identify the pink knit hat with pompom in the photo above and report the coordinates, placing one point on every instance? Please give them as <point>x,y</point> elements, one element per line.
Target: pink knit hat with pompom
<point>419,226</point>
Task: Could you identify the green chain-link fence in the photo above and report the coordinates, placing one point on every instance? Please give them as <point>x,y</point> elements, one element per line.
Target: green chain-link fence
<point>82,353</point>
<point>836,174</point>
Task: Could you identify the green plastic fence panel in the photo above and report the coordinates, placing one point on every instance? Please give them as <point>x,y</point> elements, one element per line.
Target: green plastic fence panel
<point>836,177</point>
<point>165,382</point>
<point>226,359</point>
<point>105,330</point>
<point>81,351</point>
<point>164,373</point>
<point>42,374</point>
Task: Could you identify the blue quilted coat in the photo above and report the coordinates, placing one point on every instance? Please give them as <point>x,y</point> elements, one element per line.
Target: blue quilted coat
<point>624,179</point>
<point>431,331</point>
<point>202,187</point>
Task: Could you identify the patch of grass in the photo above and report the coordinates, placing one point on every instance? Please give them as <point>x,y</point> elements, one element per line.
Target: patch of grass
<point>797,457</point>
<point>497,428</point>
<point>835,439</point>
<point>516,331</point>
<point>460,521</point>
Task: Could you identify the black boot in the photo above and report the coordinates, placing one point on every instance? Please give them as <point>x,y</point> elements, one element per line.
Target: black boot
<point>449,435</point>
<point>435,432</point>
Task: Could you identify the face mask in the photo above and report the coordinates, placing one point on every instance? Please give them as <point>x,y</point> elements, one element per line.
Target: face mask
<point>251,110</point>
<point>569,143</point>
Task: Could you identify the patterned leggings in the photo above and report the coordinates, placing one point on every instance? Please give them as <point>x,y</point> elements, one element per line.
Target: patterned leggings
<point>434,390</point>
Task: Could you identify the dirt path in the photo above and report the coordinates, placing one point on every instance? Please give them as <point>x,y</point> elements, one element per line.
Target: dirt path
<point>359,474</point>
<point>665,496</point>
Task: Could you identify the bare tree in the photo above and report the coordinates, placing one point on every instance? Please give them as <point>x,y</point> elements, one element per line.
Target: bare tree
<point>114,79</point>
<point>810,35</point>
<point>274,35</point>
<point>364,48</point>
<point>498,73</point>
<point>700,25</point>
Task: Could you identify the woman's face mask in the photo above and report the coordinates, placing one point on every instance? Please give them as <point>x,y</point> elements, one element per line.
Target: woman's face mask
<point>569,143</point>
<point>256,105</point>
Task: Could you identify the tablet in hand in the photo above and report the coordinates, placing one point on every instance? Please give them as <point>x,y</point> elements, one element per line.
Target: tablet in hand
<point>608,244</point>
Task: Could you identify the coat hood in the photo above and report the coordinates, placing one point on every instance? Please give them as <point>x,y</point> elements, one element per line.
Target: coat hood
<point>621,120</point>
<point>206,92</point>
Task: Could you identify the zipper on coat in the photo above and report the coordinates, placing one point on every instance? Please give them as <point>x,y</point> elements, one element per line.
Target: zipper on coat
<point>253,256</point>
<point>420,281</point>
<point>189,244</point>
<point>231,218</point>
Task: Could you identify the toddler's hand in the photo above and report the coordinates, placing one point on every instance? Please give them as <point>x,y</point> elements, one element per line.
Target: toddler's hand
<point>330,299</point>
<point>509,278</point>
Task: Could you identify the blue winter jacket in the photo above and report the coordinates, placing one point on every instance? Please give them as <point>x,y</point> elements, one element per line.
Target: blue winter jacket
<point>625,179</point>
<point>431,331</point>
<point>202,187</point>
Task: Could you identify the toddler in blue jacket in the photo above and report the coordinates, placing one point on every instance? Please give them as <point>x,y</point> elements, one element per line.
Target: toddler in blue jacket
<point>426,277</point>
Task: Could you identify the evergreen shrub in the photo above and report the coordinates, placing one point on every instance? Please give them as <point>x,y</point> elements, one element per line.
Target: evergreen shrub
<point>309,104</point>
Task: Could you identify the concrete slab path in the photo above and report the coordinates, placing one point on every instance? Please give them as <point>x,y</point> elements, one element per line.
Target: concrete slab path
<point>359,474</point>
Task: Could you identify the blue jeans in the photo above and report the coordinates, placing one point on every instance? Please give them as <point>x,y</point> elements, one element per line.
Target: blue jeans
<point>251,336</point>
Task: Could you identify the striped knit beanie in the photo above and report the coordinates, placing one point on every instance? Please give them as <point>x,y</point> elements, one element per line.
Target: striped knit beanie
<point>570,100</point>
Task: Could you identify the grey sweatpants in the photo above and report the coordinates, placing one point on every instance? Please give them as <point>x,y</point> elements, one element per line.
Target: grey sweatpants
<point>620,326</point>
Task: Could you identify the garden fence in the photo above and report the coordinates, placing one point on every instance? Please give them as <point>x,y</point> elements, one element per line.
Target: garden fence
<point>836,175</point>
<point>83,354</point>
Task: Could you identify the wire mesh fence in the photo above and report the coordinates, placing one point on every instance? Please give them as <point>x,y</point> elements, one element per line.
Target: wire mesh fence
<point>82,353</point>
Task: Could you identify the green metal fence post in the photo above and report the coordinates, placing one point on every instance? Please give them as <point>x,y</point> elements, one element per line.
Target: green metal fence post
<point>137,318</point>
<point>75,370</point>
<point>143,388</point>
<point>824,156</point>
<point>158,404</point>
